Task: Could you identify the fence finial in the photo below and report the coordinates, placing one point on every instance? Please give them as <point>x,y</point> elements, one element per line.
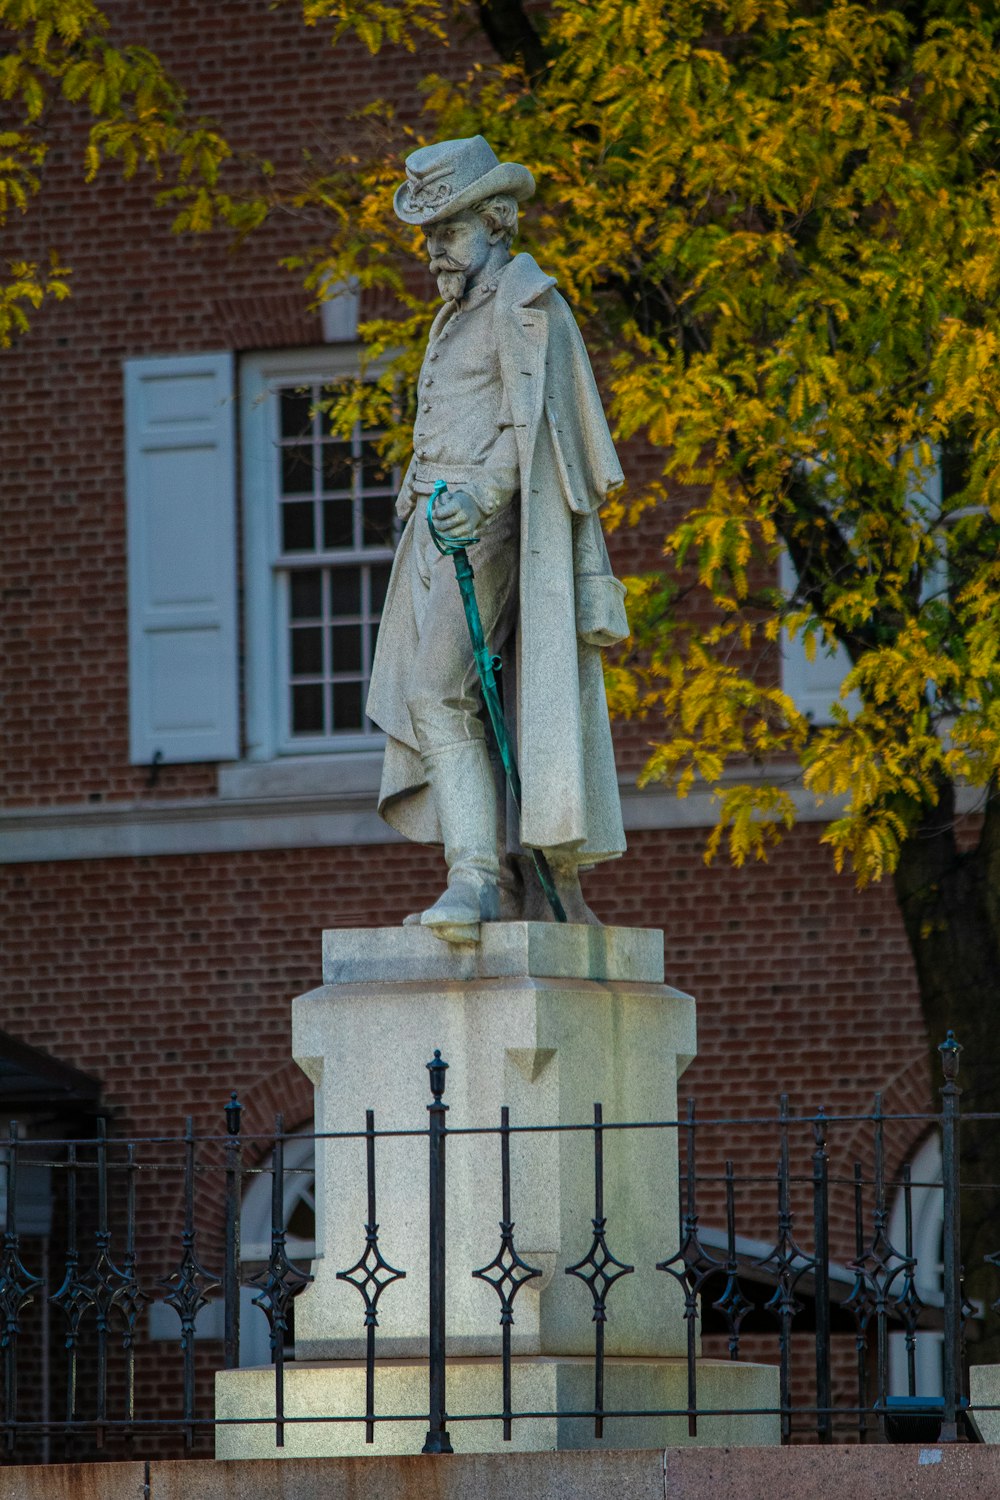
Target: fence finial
<point>949,1050</point>
<point>234,1110</point>
<point>437,1067</point>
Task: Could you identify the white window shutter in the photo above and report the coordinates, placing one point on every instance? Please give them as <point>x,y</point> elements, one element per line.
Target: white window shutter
<point>812,685</point>
<point>180,469</point>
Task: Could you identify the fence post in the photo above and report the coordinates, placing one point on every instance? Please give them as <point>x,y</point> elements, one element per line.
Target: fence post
<point>821,1240</point>
<point>17,1287</point>
<point>231,1274</point>
<point>437,1440</point>
<point>952,1362</point>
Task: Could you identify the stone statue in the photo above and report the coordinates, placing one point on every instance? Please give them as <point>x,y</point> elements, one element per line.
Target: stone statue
<point>509,417</point>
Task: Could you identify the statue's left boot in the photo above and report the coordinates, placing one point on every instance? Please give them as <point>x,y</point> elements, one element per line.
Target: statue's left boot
<point>464,791</point>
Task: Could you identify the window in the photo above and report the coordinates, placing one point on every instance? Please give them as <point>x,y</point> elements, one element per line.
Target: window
<point>815,685</point>
<point>336,534</point>
<point>320,531</point>
<point>812,685</point>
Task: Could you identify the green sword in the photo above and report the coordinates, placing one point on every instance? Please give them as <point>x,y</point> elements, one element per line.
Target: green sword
<point>487,666</point>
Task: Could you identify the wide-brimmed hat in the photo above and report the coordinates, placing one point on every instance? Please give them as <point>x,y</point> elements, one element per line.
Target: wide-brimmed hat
<point>444,178</point>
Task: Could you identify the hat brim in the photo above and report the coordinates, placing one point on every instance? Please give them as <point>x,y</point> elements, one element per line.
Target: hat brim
<point>509,177</point>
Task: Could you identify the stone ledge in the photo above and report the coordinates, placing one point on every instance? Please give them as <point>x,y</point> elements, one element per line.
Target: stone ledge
<point>509,1476</point>
<point>506,950</point>
<point>110,1481</point>
<point>961,1472</point>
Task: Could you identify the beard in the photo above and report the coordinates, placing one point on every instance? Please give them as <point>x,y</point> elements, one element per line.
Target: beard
<point>452,282</point>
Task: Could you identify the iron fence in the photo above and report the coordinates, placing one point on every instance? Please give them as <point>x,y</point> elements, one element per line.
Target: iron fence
<point>817,1253</point>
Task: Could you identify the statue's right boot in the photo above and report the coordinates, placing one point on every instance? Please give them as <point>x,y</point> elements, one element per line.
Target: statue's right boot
<point>464,791</point>
<point>533,903</point>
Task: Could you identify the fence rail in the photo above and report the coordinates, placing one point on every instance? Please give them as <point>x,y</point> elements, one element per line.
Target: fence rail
<point>833,1269</point>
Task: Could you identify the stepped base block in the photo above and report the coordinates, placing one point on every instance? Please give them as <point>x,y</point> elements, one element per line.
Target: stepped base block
<point>984,1391</point>
<point>540,1384</point>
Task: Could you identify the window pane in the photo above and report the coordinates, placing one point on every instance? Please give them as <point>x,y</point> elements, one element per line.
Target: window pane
<point>375,474</point>
<point>338,523</point>
<point>347,705</point>
<point>307,651</point>
<point>345,648</point>
<point>307,708</point>
<point>297,527</point>
<point>296,408</point>
<point>296,470</point>
<point>380,516</point>
<point>380,582</point>
<point>372,638</point>
<point>954,467</point>
<point>345,591</point>
<point>307,595</point>
<point>337,466</point>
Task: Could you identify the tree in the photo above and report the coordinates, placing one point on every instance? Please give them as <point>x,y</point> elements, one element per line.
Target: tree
<point>781,218</point>
<point>58,60</point>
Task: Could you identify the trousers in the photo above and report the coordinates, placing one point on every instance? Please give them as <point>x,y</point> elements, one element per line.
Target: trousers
<point>442,693</point>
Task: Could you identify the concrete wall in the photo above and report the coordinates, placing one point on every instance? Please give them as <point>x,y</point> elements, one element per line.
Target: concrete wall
<point>969,1472</point>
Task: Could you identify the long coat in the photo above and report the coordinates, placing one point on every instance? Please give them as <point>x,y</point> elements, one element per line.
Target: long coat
<point>570,604</point>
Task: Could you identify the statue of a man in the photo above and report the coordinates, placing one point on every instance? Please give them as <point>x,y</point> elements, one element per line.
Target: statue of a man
<point>509,417</point>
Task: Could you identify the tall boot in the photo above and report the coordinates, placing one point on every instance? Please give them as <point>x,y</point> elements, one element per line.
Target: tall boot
<point>534,906</point>
<point>464,791</point>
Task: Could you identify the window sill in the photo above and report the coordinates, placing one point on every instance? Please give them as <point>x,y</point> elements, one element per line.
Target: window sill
<point>345,774</point>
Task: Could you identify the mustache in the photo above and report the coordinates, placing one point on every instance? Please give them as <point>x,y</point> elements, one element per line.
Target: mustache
<point>447,263</point>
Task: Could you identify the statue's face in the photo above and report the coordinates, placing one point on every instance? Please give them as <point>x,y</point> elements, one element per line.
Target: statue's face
<point>458,248</point>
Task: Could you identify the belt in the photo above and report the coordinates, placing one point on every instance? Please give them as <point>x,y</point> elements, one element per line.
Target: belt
<point>424,476</point>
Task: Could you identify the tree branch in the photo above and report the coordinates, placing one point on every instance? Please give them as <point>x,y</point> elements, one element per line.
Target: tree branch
<point>512,35</point>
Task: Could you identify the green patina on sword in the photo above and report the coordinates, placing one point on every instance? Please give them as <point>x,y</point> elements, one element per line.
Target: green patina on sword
<point>488,665</point>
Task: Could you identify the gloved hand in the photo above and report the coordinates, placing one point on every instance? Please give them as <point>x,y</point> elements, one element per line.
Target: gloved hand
<point>457,514</point>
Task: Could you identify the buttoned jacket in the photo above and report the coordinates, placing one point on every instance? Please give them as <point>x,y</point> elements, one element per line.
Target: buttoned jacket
<point>569,603</point>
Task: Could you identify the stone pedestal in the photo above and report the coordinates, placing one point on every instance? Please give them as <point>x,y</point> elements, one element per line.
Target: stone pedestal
<point>548,1020</point>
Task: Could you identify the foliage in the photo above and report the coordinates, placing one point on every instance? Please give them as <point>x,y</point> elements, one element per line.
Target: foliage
<point>58,54</point>
<point>781,222</point>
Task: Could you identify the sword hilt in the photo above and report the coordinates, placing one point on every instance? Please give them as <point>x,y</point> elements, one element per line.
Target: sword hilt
<point>446,545</point>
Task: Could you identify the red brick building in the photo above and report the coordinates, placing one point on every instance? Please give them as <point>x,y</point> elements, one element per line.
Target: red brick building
<point>187,778</point>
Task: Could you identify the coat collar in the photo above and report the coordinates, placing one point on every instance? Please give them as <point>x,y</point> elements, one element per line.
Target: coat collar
<point>522,282</point>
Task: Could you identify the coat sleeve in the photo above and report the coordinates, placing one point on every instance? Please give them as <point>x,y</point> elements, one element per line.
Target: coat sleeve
<point>585,455</point>
<point>600,596</point>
